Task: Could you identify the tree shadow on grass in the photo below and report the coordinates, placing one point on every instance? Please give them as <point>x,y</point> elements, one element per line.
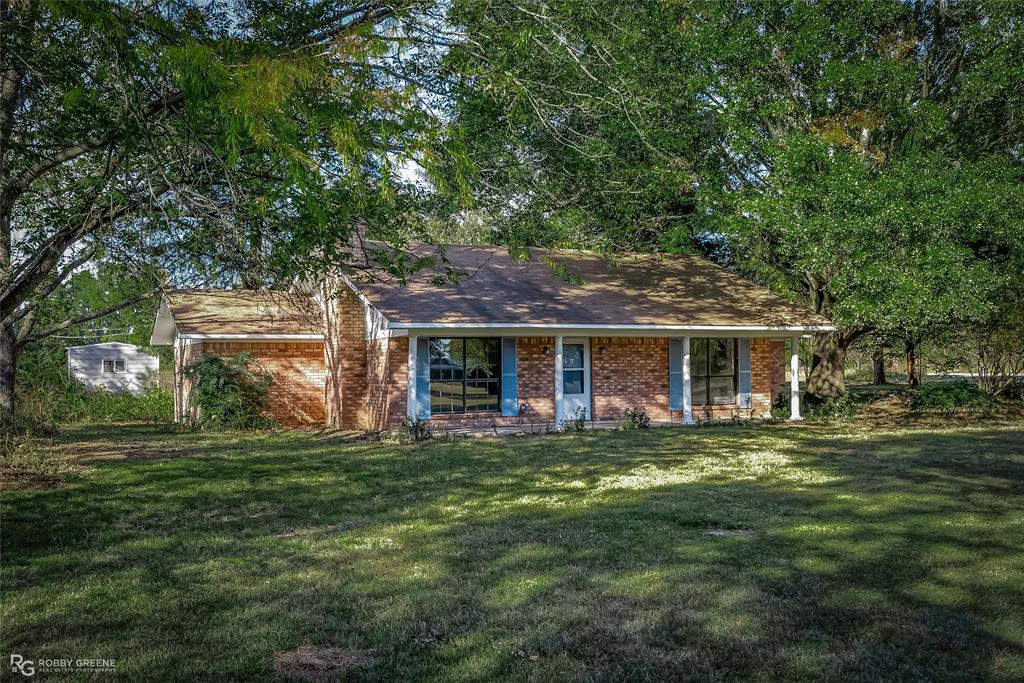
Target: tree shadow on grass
<point>872,557</point>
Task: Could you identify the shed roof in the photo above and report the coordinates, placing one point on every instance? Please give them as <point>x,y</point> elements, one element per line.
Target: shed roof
<point>554,287</point>
<point>85,346</point>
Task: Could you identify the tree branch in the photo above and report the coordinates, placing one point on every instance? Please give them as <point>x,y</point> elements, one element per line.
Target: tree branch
<point>85,317</point>
<point>23,180</point>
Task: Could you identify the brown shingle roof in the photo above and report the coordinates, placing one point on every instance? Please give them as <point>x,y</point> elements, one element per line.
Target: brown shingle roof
<point>633,289</point>
<point>242,311</point>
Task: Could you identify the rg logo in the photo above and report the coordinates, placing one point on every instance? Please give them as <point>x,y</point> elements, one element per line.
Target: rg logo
<point>21,665</point>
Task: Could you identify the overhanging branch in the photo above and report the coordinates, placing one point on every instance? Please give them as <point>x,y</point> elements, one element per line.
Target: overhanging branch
<point>86,317</point>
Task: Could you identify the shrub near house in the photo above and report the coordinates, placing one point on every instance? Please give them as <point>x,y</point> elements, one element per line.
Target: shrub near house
<point>229,393</point>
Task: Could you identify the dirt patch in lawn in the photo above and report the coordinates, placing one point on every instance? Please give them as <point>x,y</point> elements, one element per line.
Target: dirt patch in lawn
<point>320,663</point>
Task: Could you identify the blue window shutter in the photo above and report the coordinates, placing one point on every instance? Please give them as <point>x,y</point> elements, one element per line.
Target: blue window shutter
<point>743,400</point>
<point>675,374</point>
<point>422,377</point>
<point>509,390</point>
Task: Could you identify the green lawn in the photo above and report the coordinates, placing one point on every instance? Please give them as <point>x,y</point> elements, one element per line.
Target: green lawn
<point>863,554</point>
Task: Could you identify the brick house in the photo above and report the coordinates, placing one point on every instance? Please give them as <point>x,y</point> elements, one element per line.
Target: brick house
<point>482,339</point>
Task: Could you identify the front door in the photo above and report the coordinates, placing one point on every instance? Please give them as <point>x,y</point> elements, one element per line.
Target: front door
<point>575,377</point>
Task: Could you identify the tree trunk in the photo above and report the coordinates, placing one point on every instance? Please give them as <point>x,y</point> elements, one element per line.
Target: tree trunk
<point>878,367</point>
<point>912,364</point>
<point>828,367</point>
<point>7,359</point>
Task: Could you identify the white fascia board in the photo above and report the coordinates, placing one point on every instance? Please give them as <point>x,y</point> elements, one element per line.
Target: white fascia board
<point>263,337</point>
<point>512,330</point>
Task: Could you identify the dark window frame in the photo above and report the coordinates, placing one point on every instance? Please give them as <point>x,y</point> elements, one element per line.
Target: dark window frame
<point>498,380</point>
<point>113,366</point>
<point>707,376</point>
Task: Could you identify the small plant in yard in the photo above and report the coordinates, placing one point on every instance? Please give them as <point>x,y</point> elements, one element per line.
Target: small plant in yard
<point>953,397</point>
<point>737,420</point>
<point>412,430</point>
<point>635,418</point>
<point>229,393</point>
<point>576,423</point>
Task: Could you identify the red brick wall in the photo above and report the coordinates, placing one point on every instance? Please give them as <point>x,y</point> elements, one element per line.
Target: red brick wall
<point>778,368</point>
<point>631,373</point>
<point>536,378</point>
<point>297,395</point>
<point>365,382</point>
<point>761,369</point>
<point>345,356</point>
<point>387,402</point>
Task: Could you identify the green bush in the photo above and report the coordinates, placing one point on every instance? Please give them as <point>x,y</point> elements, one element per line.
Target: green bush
<point>635,418</point>
<point>833,409</point>
<point>953,397</point>
<point>410,431</point>
<point>836,409</point>
<point>577,422</point>
<point>229,393</point>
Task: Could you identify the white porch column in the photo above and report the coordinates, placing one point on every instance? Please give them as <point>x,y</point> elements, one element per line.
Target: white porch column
<point>794,379</point>
<point>687,384</point>
<point>558,382</point>
<point>412,406</point>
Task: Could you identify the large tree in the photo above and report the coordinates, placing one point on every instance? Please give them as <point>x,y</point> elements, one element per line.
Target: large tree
<point>862,157</point>
<point>199,138</point>
<point>878,147</point>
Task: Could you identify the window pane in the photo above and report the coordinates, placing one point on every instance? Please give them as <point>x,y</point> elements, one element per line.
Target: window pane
<point>721,356</point>
<point>482,395</point>
<point>108,366</point>
<point>446,397</point>
<point>446,359</point>
<point>698,359</point>
<point>119,366</point>
<point>723,390</point>
<point>699,391</point>
<point>572,382</point>
<point>483,358</point>
<point>572,356</point>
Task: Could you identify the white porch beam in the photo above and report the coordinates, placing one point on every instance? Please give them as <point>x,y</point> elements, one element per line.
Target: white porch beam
<point>558,382</point>
<point>687,384</point>
<point>412,406</point>
<point>794,378</point>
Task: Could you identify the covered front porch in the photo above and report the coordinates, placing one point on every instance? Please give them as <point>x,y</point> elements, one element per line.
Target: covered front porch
<point>510,379</point>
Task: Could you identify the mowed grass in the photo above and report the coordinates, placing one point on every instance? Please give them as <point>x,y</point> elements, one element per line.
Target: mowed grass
<point>863,554</point>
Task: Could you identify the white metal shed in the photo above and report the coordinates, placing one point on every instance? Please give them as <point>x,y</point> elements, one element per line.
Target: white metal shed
<point>113,366</point>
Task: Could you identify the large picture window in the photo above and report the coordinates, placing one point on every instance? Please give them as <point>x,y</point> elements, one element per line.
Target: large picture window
<point>713,369</point>
<point>465,375</point>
